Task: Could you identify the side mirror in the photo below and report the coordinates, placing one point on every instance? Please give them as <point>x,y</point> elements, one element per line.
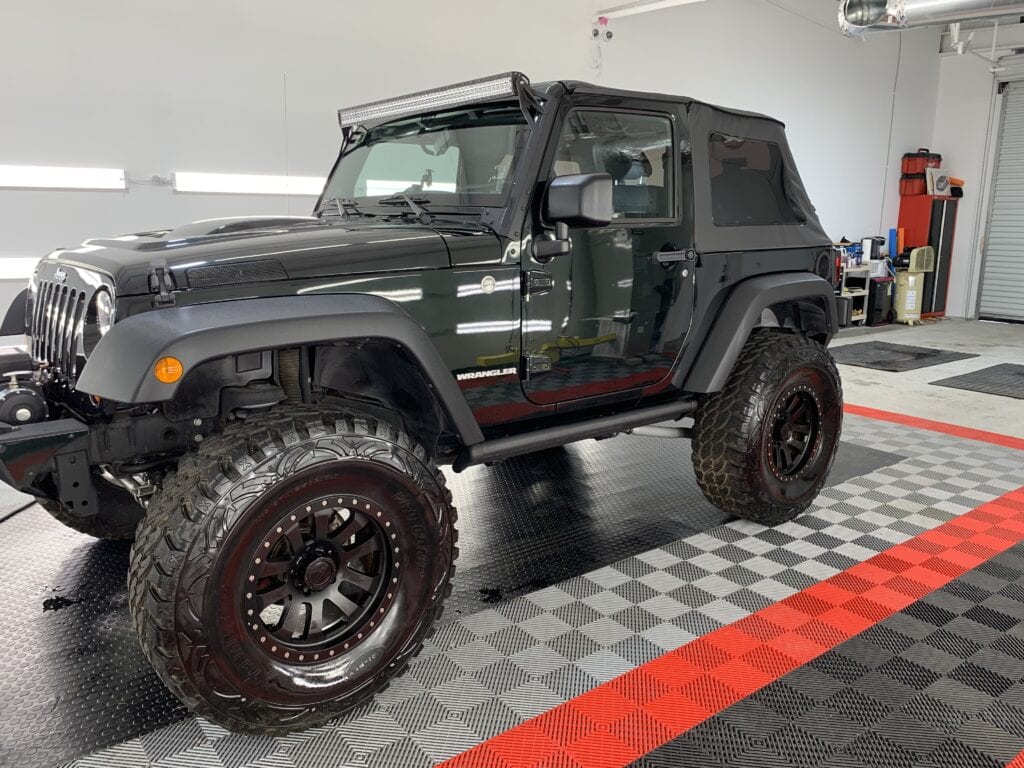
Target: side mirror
<point>579,200</point>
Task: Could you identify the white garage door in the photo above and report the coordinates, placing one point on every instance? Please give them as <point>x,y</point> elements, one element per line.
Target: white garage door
<point>1002,280</point>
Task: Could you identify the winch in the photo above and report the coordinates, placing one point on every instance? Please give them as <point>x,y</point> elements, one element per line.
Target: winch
<point>20,401</point>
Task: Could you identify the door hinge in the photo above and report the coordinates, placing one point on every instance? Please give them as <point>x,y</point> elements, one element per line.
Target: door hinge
<point>535,363</point>
<point>536,281</point>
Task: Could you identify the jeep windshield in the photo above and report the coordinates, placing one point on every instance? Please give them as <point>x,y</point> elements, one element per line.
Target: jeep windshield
<point>453,160</point>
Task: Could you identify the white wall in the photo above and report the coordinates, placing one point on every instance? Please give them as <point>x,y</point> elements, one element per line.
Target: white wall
<point>233,85</point>
<point>835,94</point>
<point>253,86</point>
<point>962,116</point>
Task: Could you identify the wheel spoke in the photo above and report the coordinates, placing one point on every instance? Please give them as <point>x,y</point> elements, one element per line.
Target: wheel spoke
<point>293,621</point>
<point>274,569</point>
<point>346,605</point>
<point>271,596</point>
<point>796,456</point>
<point>316,620</point>
<point>295,539</point>
<point>320,522</point>
<point>356,578</point>
<point>798,411</point>
<point>360,550</point>
<point>780,455</point>
<point>351,527</point>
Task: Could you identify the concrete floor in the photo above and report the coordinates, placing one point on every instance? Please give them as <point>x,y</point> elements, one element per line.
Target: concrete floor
<point>911,392</point>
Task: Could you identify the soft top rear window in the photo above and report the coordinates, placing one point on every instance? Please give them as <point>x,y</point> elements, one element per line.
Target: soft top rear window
<point>748,183</point>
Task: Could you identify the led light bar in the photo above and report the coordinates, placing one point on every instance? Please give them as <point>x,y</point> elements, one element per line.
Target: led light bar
<point>504,86</point>
<point>60,177</point>
<point>247,183</point>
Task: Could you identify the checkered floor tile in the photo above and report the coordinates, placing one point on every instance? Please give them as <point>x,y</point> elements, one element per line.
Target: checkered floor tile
<point>494,669</point>
<point>937,685</point>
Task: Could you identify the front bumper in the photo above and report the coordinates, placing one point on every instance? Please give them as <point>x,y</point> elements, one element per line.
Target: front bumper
<point>34,451</point>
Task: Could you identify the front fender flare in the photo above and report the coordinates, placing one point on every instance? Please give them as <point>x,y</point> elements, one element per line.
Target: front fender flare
<point>121,366</point>
<point>740,314</point>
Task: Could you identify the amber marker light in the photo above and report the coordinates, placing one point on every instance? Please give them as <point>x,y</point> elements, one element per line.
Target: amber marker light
<point>168,369</point>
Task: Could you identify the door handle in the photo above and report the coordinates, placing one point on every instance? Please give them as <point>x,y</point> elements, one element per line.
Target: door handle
<point>670,257</point>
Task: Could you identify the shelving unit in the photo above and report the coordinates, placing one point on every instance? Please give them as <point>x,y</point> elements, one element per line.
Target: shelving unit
<point>855,285</point>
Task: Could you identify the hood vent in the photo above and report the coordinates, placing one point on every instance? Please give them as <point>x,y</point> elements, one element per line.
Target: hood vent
<point>234,225</point>
<point>238,272</point>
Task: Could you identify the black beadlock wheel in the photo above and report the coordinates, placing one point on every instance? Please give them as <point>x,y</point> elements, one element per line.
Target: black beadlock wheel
<point>764,445</point>
<point>291,567</point>
<point>116,518</point>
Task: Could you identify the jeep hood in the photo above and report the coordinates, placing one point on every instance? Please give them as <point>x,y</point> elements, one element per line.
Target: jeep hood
<point>236,251</point>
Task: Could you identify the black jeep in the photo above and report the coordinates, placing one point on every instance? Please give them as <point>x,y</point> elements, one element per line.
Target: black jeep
<point>493,268</point>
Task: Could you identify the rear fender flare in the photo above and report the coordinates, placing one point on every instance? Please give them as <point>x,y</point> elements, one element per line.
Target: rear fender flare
<point>742,311</point>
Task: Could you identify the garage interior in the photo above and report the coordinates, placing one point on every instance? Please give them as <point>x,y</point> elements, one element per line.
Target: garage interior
<point>604,613</point>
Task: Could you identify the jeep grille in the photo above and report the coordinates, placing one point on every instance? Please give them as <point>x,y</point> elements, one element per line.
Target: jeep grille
<point>55,326</point>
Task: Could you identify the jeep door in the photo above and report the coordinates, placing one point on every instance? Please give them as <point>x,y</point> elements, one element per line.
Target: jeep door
<point>610,317</point>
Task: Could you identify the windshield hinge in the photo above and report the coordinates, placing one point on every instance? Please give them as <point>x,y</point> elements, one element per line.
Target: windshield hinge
<point>161,282</point>
<point>530,102</point>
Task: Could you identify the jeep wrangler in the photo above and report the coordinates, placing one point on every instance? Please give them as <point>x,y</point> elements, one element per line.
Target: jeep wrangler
<point>493,268</point>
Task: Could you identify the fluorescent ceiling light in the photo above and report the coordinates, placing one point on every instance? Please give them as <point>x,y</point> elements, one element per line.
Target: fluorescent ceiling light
<point>60,177</point>
<point>247,183</point>
<point>632,9</point>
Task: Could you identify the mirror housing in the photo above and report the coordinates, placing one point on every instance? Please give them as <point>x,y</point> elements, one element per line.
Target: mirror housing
<point>580,200</point>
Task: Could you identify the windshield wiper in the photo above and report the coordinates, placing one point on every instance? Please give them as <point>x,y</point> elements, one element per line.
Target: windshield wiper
<point>346,208</point>
<point>415,205</point>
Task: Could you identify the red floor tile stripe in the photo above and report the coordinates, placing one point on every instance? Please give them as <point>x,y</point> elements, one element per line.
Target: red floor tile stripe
<point>1017,762</point>
<point>618,722</point>
<point>1007,441</point>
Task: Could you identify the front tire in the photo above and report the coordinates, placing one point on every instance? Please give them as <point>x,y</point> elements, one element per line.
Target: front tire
<point>291,567</point>
<point>764,445</point>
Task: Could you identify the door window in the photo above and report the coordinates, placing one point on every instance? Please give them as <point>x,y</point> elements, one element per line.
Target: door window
<point>635,149</point>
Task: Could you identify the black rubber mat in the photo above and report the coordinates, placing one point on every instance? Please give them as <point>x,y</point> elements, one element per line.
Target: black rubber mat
<point>1006,379</point>
<point>74,679</point>
<point>883,356</point>
<point>939,684</point>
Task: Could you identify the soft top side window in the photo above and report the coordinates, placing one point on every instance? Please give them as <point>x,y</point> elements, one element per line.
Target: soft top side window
<point>748,183</point>
<point>635,148</point>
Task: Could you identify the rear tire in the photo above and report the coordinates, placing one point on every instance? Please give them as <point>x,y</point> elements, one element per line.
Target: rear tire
<point>764,445</point>
<point>118,516</point>
<point>291,567</point>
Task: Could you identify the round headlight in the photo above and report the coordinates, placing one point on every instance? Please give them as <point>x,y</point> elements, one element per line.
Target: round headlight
<point>103,307</point>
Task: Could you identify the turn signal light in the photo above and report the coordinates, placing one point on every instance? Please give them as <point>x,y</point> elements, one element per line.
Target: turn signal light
<point>168,369</point>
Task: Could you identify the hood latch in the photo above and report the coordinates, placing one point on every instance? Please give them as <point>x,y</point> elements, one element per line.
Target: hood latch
<point>161,282</point>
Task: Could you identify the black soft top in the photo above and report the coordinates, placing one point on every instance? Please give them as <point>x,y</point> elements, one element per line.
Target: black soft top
<point>580,86</point>
<point>707,119</point>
